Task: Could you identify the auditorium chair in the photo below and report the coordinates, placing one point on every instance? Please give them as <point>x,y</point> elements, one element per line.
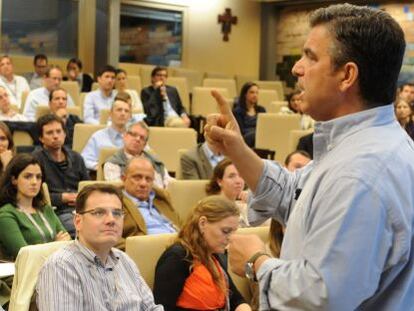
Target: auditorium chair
<point>134,83</point>
<point>44,110</point>
<point>242,80</point>
<point>180,83</point>
<point>276,106</point>
<point>104,155</point>
<point>272,85</point>
<point>130,68</point>
<point>194,77</point>
<point>72,88</point>
<point>272,132</point>
<point>82,133</point>
<point>229,84</point>
<point>203,102</point>
<point>294,136</point>
<point>85,183</point>
<point>266,97</point>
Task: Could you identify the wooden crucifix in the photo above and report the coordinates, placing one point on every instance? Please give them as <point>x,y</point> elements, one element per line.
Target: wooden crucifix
<point>226,21</point>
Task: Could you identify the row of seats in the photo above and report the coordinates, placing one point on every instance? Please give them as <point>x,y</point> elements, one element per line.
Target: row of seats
<point>31,258</point>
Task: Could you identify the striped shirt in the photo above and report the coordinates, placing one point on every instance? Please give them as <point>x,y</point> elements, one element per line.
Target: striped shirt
<point>74,278</point>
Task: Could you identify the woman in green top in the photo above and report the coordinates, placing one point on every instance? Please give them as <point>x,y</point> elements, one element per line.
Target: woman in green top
<point>25,219</point>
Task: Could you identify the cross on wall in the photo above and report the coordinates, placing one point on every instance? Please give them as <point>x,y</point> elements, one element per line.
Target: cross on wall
<point>226,20</point>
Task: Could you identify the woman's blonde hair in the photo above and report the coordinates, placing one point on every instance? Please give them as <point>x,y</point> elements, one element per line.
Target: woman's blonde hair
<point>214,208</point>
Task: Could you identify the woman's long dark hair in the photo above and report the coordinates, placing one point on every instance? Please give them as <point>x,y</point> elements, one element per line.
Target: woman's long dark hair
<point>6,130</point>
<point>8,191</point>
<point>213,187</point>
<point>242,98</point>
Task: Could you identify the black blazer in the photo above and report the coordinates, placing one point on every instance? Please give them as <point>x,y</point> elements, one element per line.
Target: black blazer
<point>173,268</point>
<point>153,108</point>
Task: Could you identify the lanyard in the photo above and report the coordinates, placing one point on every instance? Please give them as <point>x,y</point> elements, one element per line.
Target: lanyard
<point>46,223</point>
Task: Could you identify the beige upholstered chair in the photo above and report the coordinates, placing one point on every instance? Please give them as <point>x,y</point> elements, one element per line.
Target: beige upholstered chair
<point>95,86</point>
<point>272,132</point>
<point>43,110</point>
<point>104,154</point>
<point>28,264</point>
<point>276,106</point>
<point>82,133</point>
<point>152,246</point>
<point>272,85</point>
<point>22,138</point>
<point>181,84</point>
<point>219,75</point>
<point>85,183</point>
<point>24,97</point>
<point>130,68</point>
<point>145,74</point>
<point>203,103</point>
<point>72,87</point>
<point>134,83</point>
<point>185,194</point>
<point>46,194</point>
<point>81,101</point>
<point>229,84</point>
<point>179,172</point>
<point>266,97</point>
<point>167,141</point>
<point>194,77</point>
<point>294,136</point>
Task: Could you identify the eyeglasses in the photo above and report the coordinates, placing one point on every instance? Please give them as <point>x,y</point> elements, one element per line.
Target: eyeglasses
<point>102,212</point>
<point>136,135</point>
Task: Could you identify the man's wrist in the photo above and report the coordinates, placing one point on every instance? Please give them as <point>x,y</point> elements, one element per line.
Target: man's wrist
<point>259,261</point>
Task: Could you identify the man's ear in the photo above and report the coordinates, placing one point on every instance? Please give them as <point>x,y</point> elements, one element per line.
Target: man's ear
<point>350,75</point>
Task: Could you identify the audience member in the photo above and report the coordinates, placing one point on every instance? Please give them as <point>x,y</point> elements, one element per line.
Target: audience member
<point>297,159</point>
<point>404,114</point>
<point>192,273</point>
<point>306,144</point>
<point>58,101</point>
<point>6,146</point>
<point>111,136</point>
<point>407,93</point>
<point>25,219</point>
<point>40,96</point>
<point>35,79</point>
<point>226,181</point>
<point>135,139</point>
<point>199,162</point>
<point>89,274</point>
<point>74,73</point>
<point>246,110</point>
<point>148,210</point>
<point>65,168</point>
<point>102,98</point>
<point>14,84</point>
<point>294,106</point>
<point>162,103</point>
<point>121,86</point>
<point>7,113</point>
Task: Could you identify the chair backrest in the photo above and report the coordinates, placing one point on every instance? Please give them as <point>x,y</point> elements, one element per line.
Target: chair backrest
<point>242,283</point>
<point>130,68</point>
<point>272,85</point>
<point>95,86</point>
<point>22,138</point>
<point>28,264</point>
<point>145,250</point>
<point>72,87</point>
<point>194,77</point>
<point>82,133</point>
<point>266,97</point>
<point>276,106</point>
<point>81,101</point>
<point>272,132</point>
<point>242,80</point>
<point>181,84</point>
<point>23,102</point>
<point>46,194</point>
<point>203,102</point>
<point>82,184</point>
<point>167,141</point>
<point>294,136</point>
<point>179,171</point>
<point>219,75</point>
<point>43,110</point>
<point>134,83</point>
<point>185,194</point>
<point>104,154</point>
<point>145,74</point>
<point>104,116</point>
<point>229,84</point>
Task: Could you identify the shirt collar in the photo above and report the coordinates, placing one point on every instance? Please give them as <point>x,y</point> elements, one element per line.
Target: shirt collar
<point>210,154</point>
<point>143,204</point>
<point>330,133</point>
<point>113,133</point>
<point>93,258</point>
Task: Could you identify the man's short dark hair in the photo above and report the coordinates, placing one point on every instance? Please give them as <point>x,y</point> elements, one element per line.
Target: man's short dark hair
<point>50,68</point>
<point>55,90</point>
<point>106,68</point>
<point>46,119</point>
<point>301,152</point>
<point>409,84</point>
<point>86,192</point>
<point>76,61</point>
<point>157,70</point>
<point>39,57</point>
<point>373,40</point>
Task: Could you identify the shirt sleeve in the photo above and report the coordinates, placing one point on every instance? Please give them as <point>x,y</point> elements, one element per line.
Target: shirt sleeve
<point>346,244</point>
<point>29,107</point>
<point>11,236</point>
<point>90,153</point>
<point>88,111</point>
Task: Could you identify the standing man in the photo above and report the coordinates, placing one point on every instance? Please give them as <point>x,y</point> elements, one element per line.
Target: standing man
<point>15,85</point>
<point>102,98</point>
<point>349,238</point>
<point>40,96</point>
<point>64,168</point>
<point>162,103</point>
<point>89,274</point>
<point>35,78</point>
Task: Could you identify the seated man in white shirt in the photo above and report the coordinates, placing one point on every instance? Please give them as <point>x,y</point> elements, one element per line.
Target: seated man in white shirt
<point>40,96</point>
<point>111,136</point>
<point>89,274</point>
<point>35,78</point>
<point>15,85</point>
<point>102,98</point>
<point>7,113</point>
<point>135,140</point>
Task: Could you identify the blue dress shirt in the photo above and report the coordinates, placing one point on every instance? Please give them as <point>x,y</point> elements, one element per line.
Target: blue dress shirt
<point>94,102</point>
